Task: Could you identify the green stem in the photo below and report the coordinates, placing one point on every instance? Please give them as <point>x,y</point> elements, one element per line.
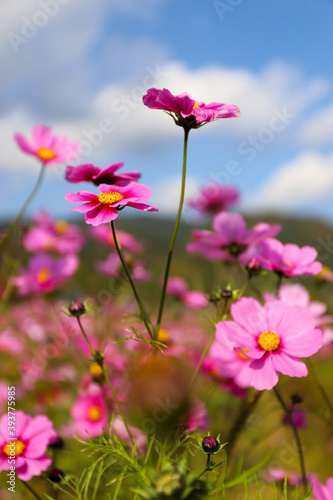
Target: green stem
<point>144,315</point>
<point>320,386</point>
<point>93,352</point>
<point>31,490</point>
<point>296,435</point>
<point>174,235</point>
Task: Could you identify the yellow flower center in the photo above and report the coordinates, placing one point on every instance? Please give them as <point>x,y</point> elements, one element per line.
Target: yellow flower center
<point>95,370</point>
<point>241,353</point>
<point>46,154</point>
<point>43,275</point>
<point>94,413</point>
<point>60,227</point>
<point>196,105</point>
<point>14,450</point>
<point>326,271</point>
<point>163,336</point>
<point>110,198</point>
<point>269,341</point>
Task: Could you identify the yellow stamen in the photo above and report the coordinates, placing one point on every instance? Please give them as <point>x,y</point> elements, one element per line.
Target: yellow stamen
<point>95,370</point>
<point>163,336</point>
<point>269,341</point>
<point>12,451</point>
<point>196,105</point>
<point>326,271</point>
<point>46,154</point>
<point>60,227</point>
<point>110,198</point>
<point>241,353</point>
<point>43,276</point>
<point>94,413</point>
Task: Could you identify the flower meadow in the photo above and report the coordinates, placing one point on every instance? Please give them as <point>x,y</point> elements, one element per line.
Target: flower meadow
<point>134,370</point>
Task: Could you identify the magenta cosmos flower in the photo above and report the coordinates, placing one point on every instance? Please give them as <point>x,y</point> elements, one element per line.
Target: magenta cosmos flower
<point>33,435</point>
<point>214,198</point>
<point>289,259</point>
<point>274,336</point>
<point>104,207</point>
<point>231,240</point>
<point>45,274</point>
<point>107,175</point>
<point>89,413</point>
<point>185,111</point>
<point>322,492</point>
<point>50,149</point>
<point>48,234</point>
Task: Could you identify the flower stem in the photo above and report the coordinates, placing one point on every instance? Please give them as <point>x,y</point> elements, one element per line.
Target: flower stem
<point>31,490</point>
<point>296,435</point>
<point>320,386</point>
<point>174,235</point>
<point>144,315</point>
<point>93,352</point>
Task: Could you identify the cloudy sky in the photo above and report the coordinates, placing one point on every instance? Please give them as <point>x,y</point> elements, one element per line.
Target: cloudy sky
<point>72,64</point>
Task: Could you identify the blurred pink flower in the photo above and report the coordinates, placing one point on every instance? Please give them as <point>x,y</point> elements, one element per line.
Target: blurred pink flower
<point>107,175</point>
<point>187,112</point>
<point>113,267</point>
<point>33,436</point>
<point>274,336</point>
<point>293,478</point>
<point>178,288</point>
<point>50,149</point>
<point>322,492</point>
<point>104,207</point>
<point>89,413</point>
<point>231,240</point>
<point>45,274</point>
<point>297,416</point>
<point>48,234</point>
<point>289,259</point>
<point>214,198</point>
<point>197,418</point>
<point>118,429</point>
<point>126,240</point>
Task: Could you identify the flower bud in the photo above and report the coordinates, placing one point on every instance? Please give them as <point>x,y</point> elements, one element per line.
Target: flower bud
<point>210,444</point>
<point>55,475</point>
<point>226,293</point>
<point>57,444</point>
<point>76,309</point>
<point>296,399</point>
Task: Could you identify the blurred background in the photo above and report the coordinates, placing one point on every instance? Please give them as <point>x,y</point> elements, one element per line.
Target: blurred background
<point>81,67</point>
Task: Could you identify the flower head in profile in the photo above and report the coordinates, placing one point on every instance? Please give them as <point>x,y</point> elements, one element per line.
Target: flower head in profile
<point>289,259</point>
<point>45,274</point>
<point>48,148</point>
<point>107,175</point>
<point>33,435</point>
<point>185,111</point>
<point>214,198</point>
<point>104,207</point>
<point>274,336</point>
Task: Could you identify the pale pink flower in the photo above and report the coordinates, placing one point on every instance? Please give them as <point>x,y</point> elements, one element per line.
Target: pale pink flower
<point>107,175</point>
<point>33,437</point>
<point>178,288</point>
<point>112,267</point>
<point>214,198</point>
<point>45,274</point>
<point>230,240</point>
<point>322,492</point>
<point>274,336</point>
<point>293,478</point>
<point>126,240</point>
<point>289,259</point>
<point>48,148</point>
<point>104,207</point>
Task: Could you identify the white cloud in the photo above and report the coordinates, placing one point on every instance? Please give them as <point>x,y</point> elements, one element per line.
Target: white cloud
<point>318,130</point>
<point>167,193</point>
<point>307,178</point>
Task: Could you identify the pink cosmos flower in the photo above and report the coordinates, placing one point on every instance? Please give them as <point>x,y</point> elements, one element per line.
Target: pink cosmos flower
<point>214,198</point>
<point>231,240</point>
<point>33,436</point>
<point>197,418</point>
<point>89,414</point>
<point>289,259</point>
<point>178,288</point>
<point>126,240</point>
<point>298,417</point>
<point>322,492</point>
<point>113,267</point>
<point>48,234</point>
<point>185,111</point>
<point>107,175</point>
<point>104,207</point>
<point>45,274</point>
<point>274,336</point>
<point>118,429</point>
<point>50,149</point>
<point>293,478</point>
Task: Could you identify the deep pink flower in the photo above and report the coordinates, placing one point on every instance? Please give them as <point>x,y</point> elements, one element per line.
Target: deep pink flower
<point>274,336</point>
<point>107,175</point>
<point>33,436</point>
<point>104,207</point>
<point>45,274</point>
<point>48,234</point>
<point>322,492</point>
<point>126,240</point>
<point>214,198</point>
<point>48,148</point>
<point>186,112</point>
<point>113,267</point>
<point>231,240</point>
<point>89,413</point>
<point>298,417</point>
<point>289,259</point>
<point>196,418</point>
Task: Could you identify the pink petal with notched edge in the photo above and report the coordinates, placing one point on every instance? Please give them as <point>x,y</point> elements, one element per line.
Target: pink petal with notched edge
<point>143,206</point>
<point>288,321</point>
<point>289,365</point>
<point>250,315</point>
<point>81,173</point>
<point>84,208</point>
<point>231,227</point>
<point>33,468</point>
<point>303,345</point>
<point>231,335</point>
<point>81,196</point>
<point>101,214</point>
<point>261,373</point>
<point>24,144</point>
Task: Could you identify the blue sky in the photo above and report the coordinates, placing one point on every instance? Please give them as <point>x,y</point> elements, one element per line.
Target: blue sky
<point>72,63</point>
